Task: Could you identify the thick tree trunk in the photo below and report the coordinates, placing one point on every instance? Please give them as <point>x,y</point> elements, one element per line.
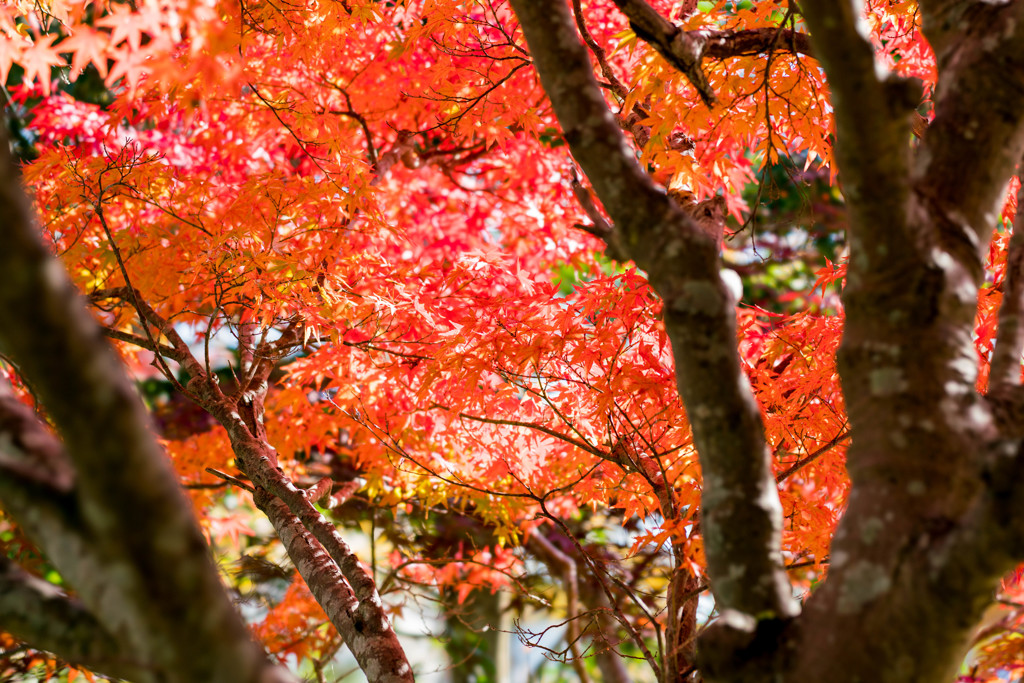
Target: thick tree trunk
<point>104,503</point>
<point>926,534</point>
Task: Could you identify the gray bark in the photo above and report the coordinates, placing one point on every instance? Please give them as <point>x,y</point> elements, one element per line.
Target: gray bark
<point>934,465</point>
<point>340,585</point>
<point>741,514</point>
<point>108,512</point>
<point>111,517</point>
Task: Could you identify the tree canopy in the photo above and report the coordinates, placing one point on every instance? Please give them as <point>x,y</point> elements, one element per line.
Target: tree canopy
<point>695,326</point>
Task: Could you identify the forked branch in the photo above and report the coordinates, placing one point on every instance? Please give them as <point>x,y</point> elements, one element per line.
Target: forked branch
<point>742,516</point>
<point>685,50</point>
<point>129,559</point>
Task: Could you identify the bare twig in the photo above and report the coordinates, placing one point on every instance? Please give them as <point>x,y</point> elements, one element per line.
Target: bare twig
<point>800,464</point>
<point>552,555</point>
<point>228,478</point>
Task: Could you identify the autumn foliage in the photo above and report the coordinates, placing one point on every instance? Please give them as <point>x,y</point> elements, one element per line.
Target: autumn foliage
<point>360,222</point>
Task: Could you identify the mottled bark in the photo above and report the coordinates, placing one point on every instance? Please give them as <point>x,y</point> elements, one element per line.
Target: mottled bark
<point>340,584</point>
<point>935,467</point>
<point>361,623</point>
<point>741,515</point>
<point>37,612</point>
<point>117,527</point>
<point>919,549</point>
<point>685,50</point>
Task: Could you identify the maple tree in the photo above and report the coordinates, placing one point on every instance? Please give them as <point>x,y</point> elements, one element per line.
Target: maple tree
<point>446,274</point>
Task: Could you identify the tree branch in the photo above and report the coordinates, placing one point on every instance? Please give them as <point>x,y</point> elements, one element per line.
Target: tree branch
<point>804,462</point>
<point>920,496</point>
<point>362,625</point>
<point>940,20</point>
<point>133,294</point>
<point>741,513</point>
<point>726,44</point>
<point>680,48</point>
<point>181,353</point>
<point>555,558</point>
<point>37,489</point>
<point>973,144</point>
<point>352,601</point>
<point>149,561</point>
<point>38,613</point>
<point>872,131</point>
<point>685,50</point>
<point>141,342</point>
<point>354,605</point>
<point>28,450</point>
<point>632,119</point>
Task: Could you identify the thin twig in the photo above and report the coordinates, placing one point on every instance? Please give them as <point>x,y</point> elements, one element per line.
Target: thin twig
<point>800,464</point>
<point>133,294</point>
<point>228,478</point>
